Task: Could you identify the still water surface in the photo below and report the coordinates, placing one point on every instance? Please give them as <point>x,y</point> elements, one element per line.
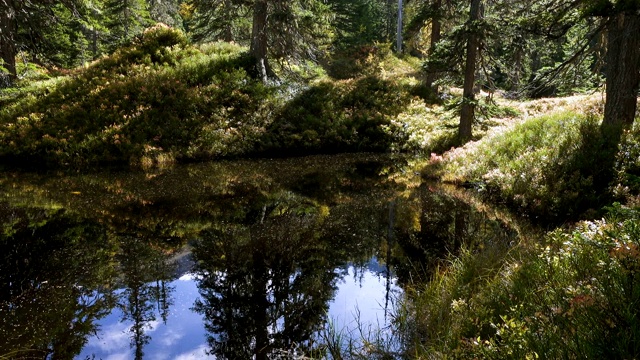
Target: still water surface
<point>229,260</point>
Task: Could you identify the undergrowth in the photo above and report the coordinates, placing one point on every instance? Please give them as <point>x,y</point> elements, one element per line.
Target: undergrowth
<point>555,166</point>
<point>574,295</point>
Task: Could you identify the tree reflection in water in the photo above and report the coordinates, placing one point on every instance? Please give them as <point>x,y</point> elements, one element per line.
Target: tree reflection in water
<point>55,273</point>
<point>57,278</point>
<point>265,284</point>
<point>273,240</point>
<point>145,273</point>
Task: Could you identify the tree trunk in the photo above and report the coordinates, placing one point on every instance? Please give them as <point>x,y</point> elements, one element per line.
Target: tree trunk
<point>259,39</point>
<point>436,26</point>
<point>228,31</point>
<point>468,98</point>
<point>390,23</point>
<point>7,40</point>
<point>399,30</point>
<point>623,70</point>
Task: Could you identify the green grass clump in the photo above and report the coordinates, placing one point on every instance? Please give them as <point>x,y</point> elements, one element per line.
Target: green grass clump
<point>575,295</point>
<point>554,166</point>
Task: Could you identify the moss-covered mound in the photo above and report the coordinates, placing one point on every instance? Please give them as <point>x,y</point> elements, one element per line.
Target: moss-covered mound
<point>156,100</point>
<point>161,100</point>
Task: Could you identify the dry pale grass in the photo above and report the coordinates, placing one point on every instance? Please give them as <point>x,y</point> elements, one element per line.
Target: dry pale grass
<point>584,103</point>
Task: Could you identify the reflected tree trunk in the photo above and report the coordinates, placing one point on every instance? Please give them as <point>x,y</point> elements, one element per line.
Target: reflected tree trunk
<point>460,223</point>
<point>261,302</point>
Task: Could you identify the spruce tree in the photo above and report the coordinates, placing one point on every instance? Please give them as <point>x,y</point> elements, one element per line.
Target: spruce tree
<point>125,18</point>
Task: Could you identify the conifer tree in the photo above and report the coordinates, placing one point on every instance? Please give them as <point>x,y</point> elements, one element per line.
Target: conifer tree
<point>47,30</point>
<point>277,30</point>
<point>125,19</point>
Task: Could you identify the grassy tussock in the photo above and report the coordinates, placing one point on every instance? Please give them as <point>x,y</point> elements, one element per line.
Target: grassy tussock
<point>552,166</point>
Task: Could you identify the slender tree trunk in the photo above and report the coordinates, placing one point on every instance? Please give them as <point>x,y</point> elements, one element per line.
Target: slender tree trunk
<point>623,70</point>
<point>389,23</point>
<point>515,79</point>
<point>94,43</point>
<point>259,39</point>
<point>126,19</point>
<point>399,30</point>
<point>228,33</point>
<point>436,34</point>
<point>468,107</point>
<point>7,39</point>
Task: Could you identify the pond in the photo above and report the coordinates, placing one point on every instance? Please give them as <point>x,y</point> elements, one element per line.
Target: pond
<point>230,260</point>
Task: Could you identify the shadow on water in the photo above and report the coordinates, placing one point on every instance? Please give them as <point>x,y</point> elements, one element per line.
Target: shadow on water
<point>268,246</point>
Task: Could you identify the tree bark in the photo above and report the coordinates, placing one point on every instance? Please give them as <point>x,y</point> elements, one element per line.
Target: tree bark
<point>399,30</point>
<point>259,39</point>
<point>436,34</point>
<point>623,70</point>
<point>227,34</point>
<point>8,31</point>
<point>468,107</point>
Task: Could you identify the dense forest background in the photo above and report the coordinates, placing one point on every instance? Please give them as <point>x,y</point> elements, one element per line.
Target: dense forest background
<point>149,83</point>
<point>526,48</point>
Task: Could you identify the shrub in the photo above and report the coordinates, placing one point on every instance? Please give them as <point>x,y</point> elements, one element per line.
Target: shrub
<point>351,115</point>
<point>152,102</point>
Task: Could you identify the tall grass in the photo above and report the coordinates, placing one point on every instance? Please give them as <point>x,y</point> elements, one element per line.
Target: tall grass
<point>553,167</point>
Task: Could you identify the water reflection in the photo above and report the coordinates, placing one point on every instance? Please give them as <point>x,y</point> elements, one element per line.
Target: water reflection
<point>145,273</point>
<point>236,259</point>
<point>265,287</point>
<point>437,221</point>
<point>54,277</point>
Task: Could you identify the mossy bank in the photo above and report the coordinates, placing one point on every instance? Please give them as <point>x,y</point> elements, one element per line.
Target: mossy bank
<point>161,100</point>
<point>572,293</point>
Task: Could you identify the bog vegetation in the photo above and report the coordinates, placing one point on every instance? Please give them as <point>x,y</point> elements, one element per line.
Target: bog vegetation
<point>506,97</point>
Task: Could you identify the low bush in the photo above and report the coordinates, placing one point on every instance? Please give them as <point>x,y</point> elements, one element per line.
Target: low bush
<point>160,100</point>
<point>157,100</point>
<point>351,115</point>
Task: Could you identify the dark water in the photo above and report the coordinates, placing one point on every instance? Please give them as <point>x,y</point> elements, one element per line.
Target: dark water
<point>232,260</point>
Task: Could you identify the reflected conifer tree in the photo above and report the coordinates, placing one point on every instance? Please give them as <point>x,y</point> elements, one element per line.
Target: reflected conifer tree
<point>447,221</point>
<point>145,274</point>
<point>55,272</point>
<point>265,285</point>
